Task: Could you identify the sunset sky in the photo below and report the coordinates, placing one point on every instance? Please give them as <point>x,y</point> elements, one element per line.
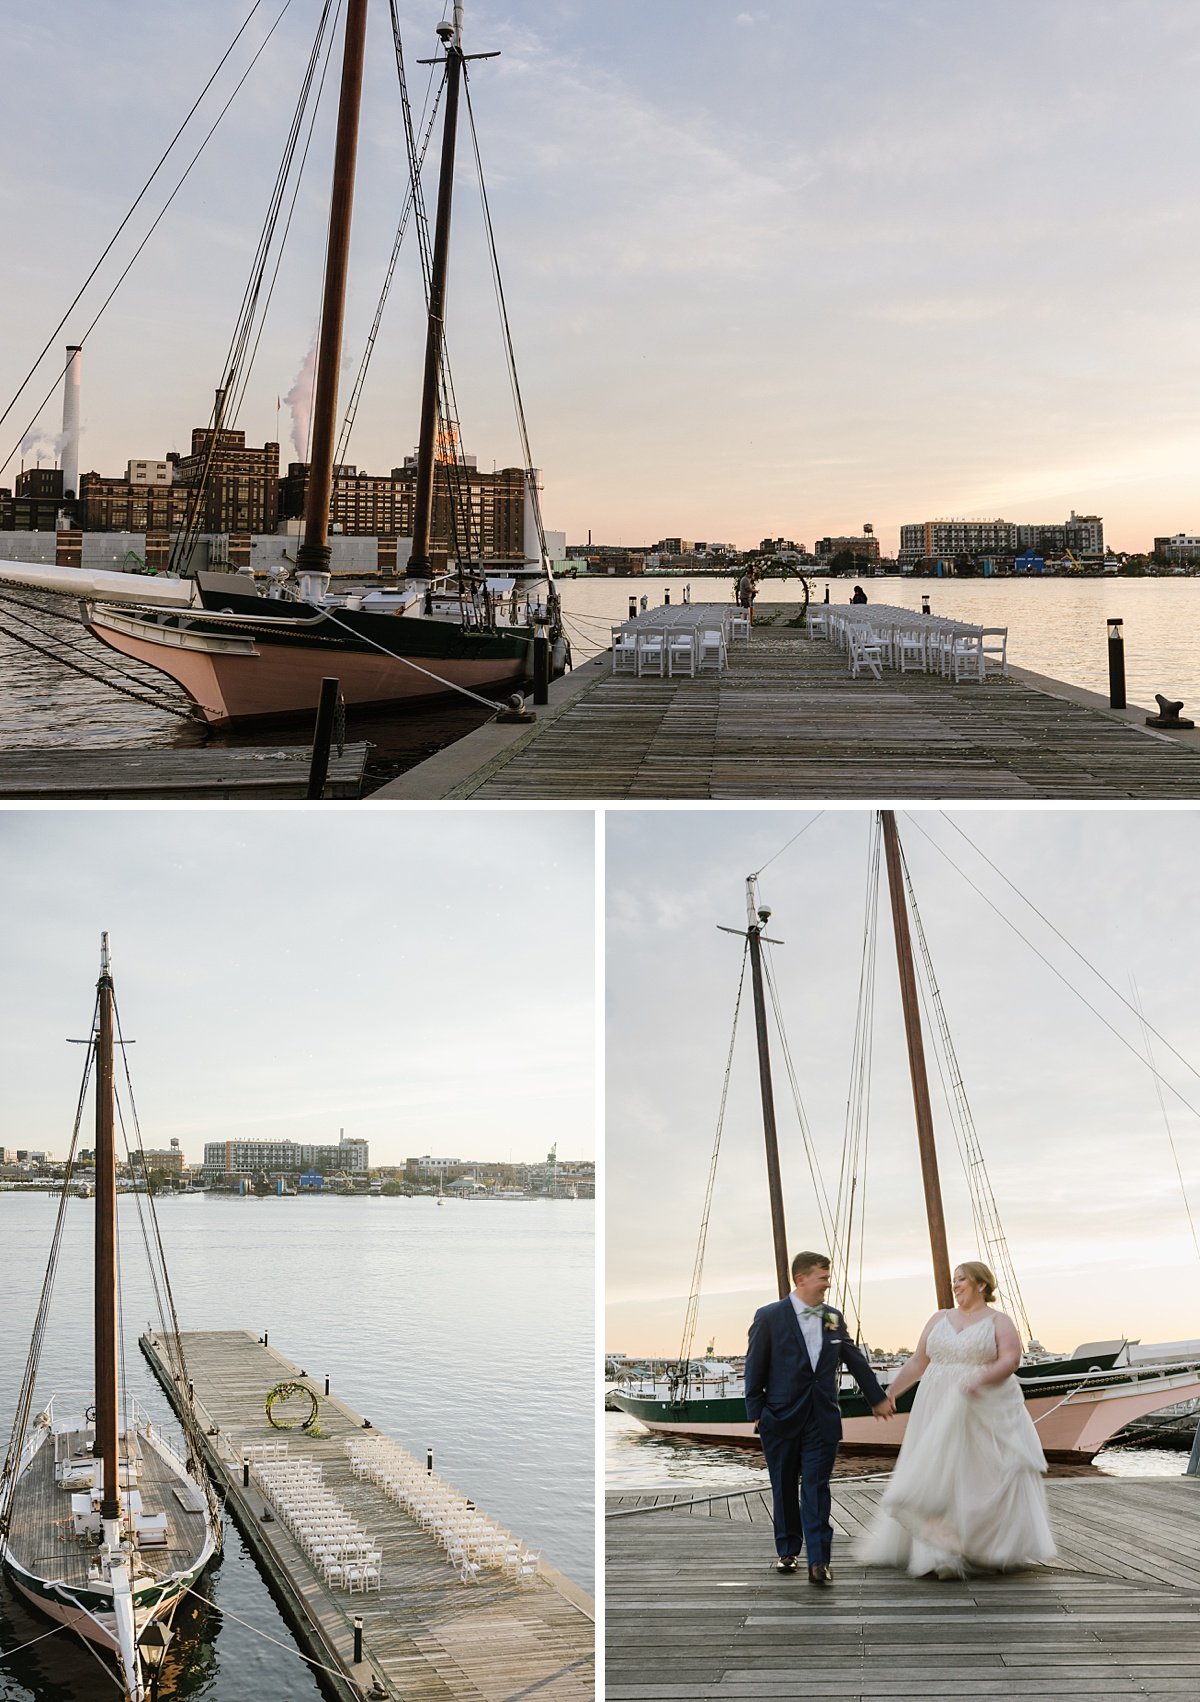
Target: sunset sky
<point>1078,1148</point>
<point>773,268</point>
<point>287,975</point>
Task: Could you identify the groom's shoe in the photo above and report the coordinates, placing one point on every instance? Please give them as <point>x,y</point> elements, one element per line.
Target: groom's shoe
<point>822,1576</point>
<point>786,1563</point>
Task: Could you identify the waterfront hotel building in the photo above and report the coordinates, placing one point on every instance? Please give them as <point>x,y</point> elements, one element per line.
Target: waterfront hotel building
<point>284,1158</point>
<point>924,540</point>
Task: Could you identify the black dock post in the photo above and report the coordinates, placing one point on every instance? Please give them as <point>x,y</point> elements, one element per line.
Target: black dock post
<point>357,1639</point>
<point>1116,665</point>
<point>429,1461</point>
<point>322,739</point>
<point>633,608</point>
<point>327,1385</point>
<point>541,668</point>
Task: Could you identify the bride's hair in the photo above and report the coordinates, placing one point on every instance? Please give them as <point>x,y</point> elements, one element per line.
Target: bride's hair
<point>979,1273</point>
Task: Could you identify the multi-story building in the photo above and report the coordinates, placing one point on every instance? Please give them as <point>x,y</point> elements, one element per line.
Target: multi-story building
<point>288,1158</point>
<point>240,484</point>
<point>36,501</point>
<point>1178,547</point>
<point>866,548</point>
<point>945,540</point>
<point>372,505</point>
<point>128,505</point>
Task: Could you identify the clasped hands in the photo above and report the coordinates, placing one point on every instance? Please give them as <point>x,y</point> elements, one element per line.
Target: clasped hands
<point>885,1409</point>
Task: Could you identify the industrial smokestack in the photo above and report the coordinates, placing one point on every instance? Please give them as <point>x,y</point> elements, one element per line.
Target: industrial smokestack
<point>70,429</point>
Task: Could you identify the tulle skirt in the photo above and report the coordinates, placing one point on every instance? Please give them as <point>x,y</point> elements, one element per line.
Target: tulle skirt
<point>967,1488</point>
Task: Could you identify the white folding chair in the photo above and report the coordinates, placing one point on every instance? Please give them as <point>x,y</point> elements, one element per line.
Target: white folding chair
<point>994,656</point>
<point>817,624</point>
<point>710,650</point>
<point>651,653</point>
<point>966,657</point>
<point>910,649</point>
<point>681,652</point>
<point>739,624</point>
<point>624,651</point>
<point>866,652</point>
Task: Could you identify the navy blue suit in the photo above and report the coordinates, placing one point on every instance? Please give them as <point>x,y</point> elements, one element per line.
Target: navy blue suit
<point>799,1420</point>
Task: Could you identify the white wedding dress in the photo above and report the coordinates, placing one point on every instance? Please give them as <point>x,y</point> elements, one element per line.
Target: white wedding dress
<point>967,1487</point>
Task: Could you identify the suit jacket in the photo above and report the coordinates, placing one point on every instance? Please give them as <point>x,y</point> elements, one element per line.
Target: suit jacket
<point>782,1386</point>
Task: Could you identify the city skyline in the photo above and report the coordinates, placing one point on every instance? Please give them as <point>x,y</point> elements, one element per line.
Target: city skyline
<point>1094,1178</point>
<point>770,271</point>
<point>286,975</point>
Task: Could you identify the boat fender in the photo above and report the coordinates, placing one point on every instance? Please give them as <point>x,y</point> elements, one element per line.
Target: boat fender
<point>560,657</point>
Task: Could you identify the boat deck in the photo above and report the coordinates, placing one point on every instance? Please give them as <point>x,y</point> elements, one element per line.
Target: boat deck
<point>42,1537</point>
<point>427,1635</point>
<point>696,1610</point>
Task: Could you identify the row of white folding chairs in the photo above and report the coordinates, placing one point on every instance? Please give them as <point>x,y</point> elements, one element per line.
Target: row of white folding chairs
<point>929,642</point>
<point>471,1540</point>
<point>668,651</point>
<point>335,1543</point>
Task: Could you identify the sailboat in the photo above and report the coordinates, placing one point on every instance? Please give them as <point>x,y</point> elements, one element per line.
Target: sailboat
<point>1078,1403</point>
<point>103,1525</point>
<point>244,657</point>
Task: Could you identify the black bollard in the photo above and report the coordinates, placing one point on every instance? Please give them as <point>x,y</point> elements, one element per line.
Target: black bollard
<point>357,1638</point>
<point>1116,665</point>
<point>327,1385</point>
<point>245,1474</point>
<point>264,1338</point>
<point>322,739</point>
<point>924,602</point>
<point>666,596</point>
<point>429,1461</point>
<point>541,669</point>
<point>633,608</point>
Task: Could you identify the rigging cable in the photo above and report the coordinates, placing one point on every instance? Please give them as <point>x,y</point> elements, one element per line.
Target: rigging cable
<point>984,1209</point>
<point>1162,1105</point>
<point>24,1406</point>
<point>190,714</point>
<point>791,841</point>
<point>510,355</point>
<point>1129,1046</point>
<point>154,226</point>
<point>693,1305</point>
<point>113,240</point>
<point>235,360</point>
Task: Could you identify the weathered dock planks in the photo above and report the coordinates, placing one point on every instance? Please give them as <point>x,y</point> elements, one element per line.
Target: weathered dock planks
<point>230,772</point>
<point>695,1609</point>
<point>427,1636</point>
<point>787,721</point>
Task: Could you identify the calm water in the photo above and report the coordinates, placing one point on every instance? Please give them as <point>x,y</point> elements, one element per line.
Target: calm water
<point>466,1328</point>
<point>634,1459</point>
<point>1056,627</point>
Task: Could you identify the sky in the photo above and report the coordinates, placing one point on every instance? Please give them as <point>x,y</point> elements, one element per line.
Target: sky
<point>422,980</point>
<point>1085,1165</point>
<point>772,269</point>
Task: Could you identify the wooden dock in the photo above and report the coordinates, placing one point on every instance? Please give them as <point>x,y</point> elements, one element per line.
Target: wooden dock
<point>427,1636</point>
<point>787,721</point>
<point>228,772</point>
<point>695,1609</point>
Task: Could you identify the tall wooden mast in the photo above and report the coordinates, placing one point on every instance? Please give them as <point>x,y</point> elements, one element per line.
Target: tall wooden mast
<point>313,554</point>
<point>451,35</point>
<point>916,1063</point>
<point>757,917</point>
<point>106,1247</point>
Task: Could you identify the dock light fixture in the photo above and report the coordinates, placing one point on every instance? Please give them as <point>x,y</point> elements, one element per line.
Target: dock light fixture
<point>1116,664</point>
<point>358,1628</point>
<point>153,1644</point>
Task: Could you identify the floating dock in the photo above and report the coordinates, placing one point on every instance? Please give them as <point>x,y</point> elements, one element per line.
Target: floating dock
<point>227,772</point>
<point>426,1635</point>
<point>785,720</point>
<point>695,1609</point>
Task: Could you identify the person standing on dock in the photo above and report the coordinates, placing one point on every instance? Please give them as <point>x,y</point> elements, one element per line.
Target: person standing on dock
<point>748,591</point>
<point>797,1348</point>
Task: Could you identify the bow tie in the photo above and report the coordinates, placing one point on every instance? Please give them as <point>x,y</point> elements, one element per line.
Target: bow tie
<point>811,1311</point>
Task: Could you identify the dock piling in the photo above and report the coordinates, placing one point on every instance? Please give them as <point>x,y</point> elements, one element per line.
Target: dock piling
<point>1116,664</point>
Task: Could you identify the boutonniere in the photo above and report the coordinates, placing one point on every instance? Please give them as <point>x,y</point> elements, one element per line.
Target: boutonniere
<point>832,1320</point>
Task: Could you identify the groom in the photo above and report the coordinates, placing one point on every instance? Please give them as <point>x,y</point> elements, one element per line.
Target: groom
<point>797,1347</point>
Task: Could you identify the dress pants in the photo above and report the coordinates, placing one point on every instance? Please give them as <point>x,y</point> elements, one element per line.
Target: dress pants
<point>800,1466</point>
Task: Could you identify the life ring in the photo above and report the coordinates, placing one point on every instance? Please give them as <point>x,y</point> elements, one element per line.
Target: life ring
<point>284,1392</point>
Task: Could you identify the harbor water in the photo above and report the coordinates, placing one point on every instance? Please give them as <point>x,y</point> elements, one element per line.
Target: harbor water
<point>466,1328</point>
<point>635,1460</point>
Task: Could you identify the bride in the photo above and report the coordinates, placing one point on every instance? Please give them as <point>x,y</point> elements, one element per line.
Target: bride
<point>967,1488</point>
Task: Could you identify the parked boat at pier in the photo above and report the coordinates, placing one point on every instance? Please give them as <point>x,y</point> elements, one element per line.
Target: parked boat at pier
<point>103,1525</point>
